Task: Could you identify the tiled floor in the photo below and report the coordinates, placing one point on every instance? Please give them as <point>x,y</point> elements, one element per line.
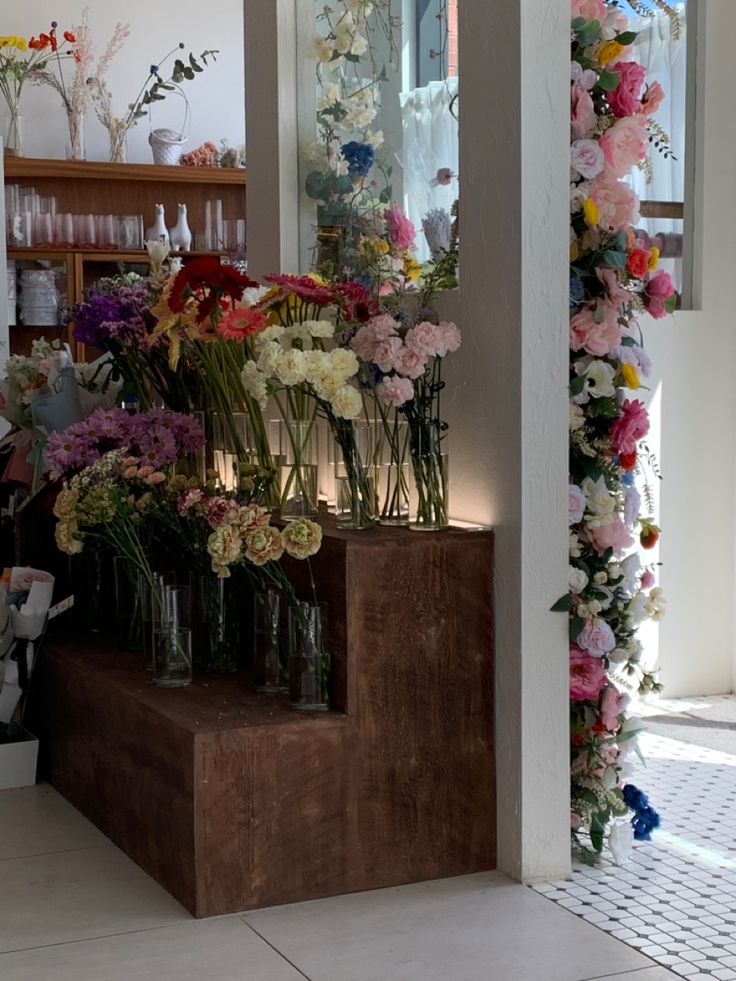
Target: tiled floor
<point>676,900</point>
<point>72,906</point>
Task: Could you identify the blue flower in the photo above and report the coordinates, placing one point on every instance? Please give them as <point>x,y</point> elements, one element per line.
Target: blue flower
<point>628,479</point>
<point>359,157</point>
<point>577,291</point>
<point>645,818</point>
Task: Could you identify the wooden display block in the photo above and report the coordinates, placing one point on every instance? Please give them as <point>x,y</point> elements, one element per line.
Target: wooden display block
<point>233,801</point>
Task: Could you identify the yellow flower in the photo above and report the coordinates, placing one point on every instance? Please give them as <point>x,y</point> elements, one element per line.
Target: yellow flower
<point>382,246</point>
<point>590,210</point>
<point>609,52</point>
<point>412,269</point>
<point>653,258</point>
<point>574,250</point>
<point>631,379</point>
<point>12,41</point>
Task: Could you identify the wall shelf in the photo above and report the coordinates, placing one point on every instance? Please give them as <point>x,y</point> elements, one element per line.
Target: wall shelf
<point>33,169</point>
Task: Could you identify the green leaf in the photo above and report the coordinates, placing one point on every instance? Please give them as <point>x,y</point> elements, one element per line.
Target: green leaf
<point>608,80</point>
<point>193,64</point>
<point>385,196</point>
<point>670,304</point>
<point>562,605</point>
<point>576,628</point>
<point>627,38</point>
<point>188,73</point>
<point>577,385</point>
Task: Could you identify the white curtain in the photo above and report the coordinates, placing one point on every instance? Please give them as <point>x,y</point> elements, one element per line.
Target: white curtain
<point>430,143</point>
<point>665,59</point>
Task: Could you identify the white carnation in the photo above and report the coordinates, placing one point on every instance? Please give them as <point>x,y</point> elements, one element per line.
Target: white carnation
<point>290,369</point>
<point>343,362</point>
<point>320,328</point>
<point>346,402</point>
<point>254,382</point>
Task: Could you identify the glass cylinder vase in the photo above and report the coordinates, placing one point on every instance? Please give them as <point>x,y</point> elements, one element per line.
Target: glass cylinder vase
<point>118,144</point>
<point>230,439</point>
<point>309,663</point>
<point>13,131</point>
<point>129,622</point>
<point>393,473</point>
<point>270,661</point>
<point>151,592</point>
<point>75,149</point>
<point>297,458</point>
<point>172,640</point>
<point>431,479</point>
<point>216,625</point>
<point>353,461</point>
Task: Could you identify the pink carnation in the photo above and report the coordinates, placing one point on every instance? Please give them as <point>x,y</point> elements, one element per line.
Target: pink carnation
<point>383,326</point>
<point>410,363</point>
<point>630,427</point>
<point>625,144</point>
<point>449,337</point>
<point>385,353</point>
<point>596,637</point>
<point>618,205</point>
<point>658,290</point>
<point>615,535</point>
<point>155,478</point>
<point>648,579</point>
<point>401,231</point>
<point>394,390</point>
<point>599,339</point>
<point>613,703</point>
<point>653,99</point>
<point>583,117</point>
<point>589,9</point>
<point>364,342</point>
<point>424,339</point>
<point>625,100</point>
<point>587,676</point>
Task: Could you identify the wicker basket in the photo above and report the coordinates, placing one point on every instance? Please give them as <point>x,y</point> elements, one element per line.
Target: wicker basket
<point>166,145</point>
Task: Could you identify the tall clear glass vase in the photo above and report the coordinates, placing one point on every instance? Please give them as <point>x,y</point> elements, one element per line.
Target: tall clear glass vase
<point>355,488</point>
<point>297,454</point>
<point>431,477</point>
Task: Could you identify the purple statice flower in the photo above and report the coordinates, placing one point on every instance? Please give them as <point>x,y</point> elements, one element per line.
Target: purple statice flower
<point>122,312</point>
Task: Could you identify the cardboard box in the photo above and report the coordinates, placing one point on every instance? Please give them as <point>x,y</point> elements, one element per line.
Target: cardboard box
<point>18,758</point>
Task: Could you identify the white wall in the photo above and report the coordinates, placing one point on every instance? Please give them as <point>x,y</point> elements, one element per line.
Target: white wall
<point>695,356</point>
<point>216,96</point>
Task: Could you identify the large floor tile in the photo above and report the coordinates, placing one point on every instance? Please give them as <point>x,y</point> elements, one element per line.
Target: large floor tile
<point>474,928</point>
<point>37,820</point>
<point>206,950</point>
<point>76,895</point>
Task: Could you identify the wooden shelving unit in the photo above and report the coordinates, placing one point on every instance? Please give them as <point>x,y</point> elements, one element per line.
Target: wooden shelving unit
<point>92,187</point>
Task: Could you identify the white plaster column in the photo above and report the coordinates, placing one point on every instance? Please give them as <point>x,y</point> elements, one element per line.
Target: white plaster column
<point>272,157</point>
<point>507,395</point>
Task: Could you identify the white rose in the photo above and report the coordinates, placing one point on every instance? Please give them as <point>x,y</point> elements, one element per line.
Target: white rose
<point>630,569</point>
<point>600,578</point>
<point>577,580</point>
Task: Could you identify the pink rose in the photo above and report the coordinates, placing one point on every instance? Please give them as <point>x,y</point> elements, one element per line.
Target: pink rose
<point>653,99</point>
<point>409,363</point>
<point>658,290</point>
<point>625,100</point>
<point>364,342</point>
<point>599,339</point>
<point>587,676</point>
<point>449,338</point>
<point>630,427</point>
<point>385,353</point>
<point>617,294</point>
<point>618,205</point>
<point>575,504</point>
<point>401,231</point>
<point>625,144</point>
<point>424,339</point>
<point>596,637</point>
<point>383,326</point>
<point>589,9</point>
<point>394,390</point>
<point>583,117</point>
<point>648,579</point>
<point>613,703</point>
<point>587,158</point>
<point>615,535</point>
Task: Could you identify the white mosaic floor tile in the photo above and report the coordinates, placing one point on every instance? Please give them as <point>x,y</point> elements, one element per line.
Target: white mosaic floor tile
<point>676,899</point>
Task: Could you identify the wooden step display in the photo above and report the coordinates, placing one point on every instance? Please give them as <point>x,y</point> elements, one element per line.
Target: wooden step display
<point>232,801</point>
